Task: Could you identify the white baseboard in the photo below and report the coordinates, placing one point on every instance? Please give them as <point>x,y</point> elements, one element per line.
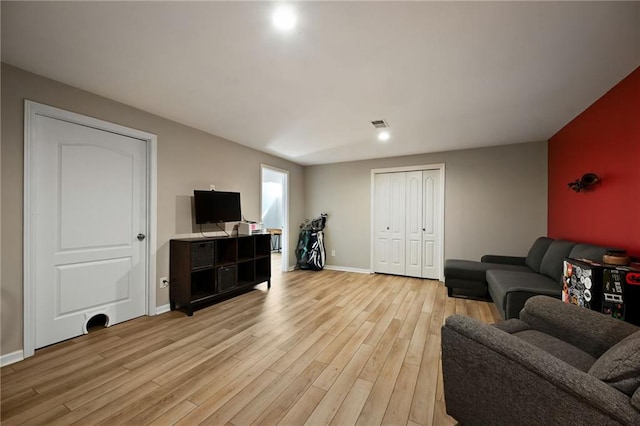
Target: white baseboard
<point>163,309</point>
<point>347,269</point>
<point>11,358</point>
<point>338,268</point>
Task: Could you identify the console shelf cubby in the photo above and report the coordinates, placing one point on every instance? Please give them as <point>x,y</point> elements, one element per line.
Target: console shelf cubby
<point>207,270</point>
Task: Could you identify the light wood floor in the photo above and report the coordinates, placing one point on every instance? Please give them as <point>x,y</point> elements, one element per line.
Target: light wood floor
<point>319,348</point>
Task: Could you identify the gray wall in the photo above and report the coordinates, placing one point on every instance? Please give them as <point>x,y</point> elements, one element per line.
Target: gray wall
<point>495,201</point>
<point>188,159</point>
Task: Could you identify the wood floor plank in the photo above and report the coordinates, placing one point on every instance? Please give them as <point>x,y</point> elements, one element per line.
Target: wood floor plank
<point>461,307</point>
<point>53,358</point>
<point>262,402</point>
<point>302,409</point>
<point>6,371</point>
<point>171,417</point>
<point>80,376</point>
<point>344,357</point>
<point>330,352</point>
<point>381,352</point>
<point>292,355</point>
<point>41,403</point>
<point>485,312</point>
<point>48,417</point>
<point>418,339</point>
<point>409,323</point>
<point>240,400</point>
<point>429,301</point>
<point>137,376</point>
<point>422,406</point>
<point>397,412</point>
<point>99,411</point>
<point>381,324</point>
<point>179,389</point>
<point>324,347</point>
<point>328,406</point>
<point>229,384</point>
<point>56,373</point>
<point>473,310</point>
<point>283,403</point>
<point>352,405</point>
<point>376,405</point>
<point>16,399</point>
<point>405,305</point>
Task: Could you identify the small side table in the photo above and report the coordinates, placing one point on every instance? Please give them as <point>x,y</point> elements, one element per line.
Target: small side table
<point>276,234</point>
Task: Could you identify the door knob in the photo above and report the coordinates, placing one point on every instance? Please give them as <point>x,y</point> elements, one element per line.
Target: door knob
<point>141,237</point>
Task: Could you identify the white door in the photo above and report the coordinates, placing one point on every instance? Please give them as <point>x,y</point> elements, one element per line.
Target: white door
<point>389,252</point>
<point>89,190</point>
<point>414,224</point>
<point>382,218</point>
<point>431,246</point>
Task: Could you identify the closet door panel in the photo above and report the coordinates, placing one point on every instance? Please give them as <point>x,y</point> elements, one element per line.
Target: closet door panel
<point>382,219</point>
<point>430,238</point>
<point>414,209</point>
<point>397,187</point>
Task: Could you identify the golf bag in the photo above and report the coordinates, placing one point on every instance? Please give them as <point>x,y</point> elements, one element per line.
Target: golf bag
<point>310,252</point>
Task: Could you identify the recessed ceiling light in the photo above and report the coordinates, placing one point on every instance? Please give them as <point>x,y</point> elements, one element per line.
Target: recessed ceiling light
<point>383,136</point>
<point>283,18</point>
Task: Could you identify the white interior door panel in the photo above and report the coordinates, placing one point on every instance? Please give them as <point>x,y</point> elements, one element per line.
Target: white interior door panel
<point>90,205</point>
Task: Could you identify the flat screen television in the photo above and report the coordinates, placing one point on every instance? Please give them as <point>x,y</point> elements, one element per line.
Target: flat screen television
<point>217,206</point>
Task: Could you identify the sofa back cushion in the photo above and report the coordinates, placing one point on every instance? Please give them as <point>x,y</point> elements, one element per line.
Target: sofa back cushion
<point>551,265</point>
<point>536,253</point>
<point>620,365</point>
<point>587,251</point>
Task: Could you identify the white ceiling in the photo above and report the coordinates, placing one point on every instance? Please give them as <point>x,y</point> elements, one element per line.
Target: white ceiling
<point>445,76</point>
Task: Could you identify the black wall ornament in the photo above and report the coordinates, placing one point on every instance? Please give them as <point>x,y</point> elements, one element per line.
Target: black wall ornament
<point>586,182</point>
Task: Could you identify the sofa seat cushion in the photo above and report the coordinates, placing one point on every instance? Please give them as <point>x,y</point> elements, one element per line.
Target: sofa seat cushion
<point>635,399</point>
<point>511,289</point>
<point>620,365</point>
<point>476,271</point>
<point>558,348</point>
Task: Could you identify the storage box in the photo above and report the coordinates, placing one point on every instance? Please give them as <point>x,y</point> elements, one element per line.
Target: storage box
<point>612,290</point>
<point>582,283</point>
<point>202,255</point>
<point>621,293</point>
<point>226,278</point>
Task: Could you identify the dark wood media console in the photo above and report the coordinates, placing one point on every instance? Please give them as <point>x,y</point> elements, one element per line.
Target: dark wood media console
<point>207,270</point>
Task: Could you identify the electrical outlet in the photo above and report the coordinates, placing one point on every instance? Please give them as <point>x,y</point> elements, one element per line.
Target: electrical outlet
<point>164,282</point>
<point>212,187</point>
<point>333,252</point>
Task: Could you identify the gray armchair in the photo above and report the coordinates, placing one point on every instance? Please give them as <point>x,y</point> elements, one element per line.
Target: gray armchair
<point>556,364</point>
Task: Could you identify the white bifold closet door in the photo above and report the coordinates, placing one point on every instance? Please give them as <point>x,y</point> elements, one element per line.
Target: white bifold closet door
<point>389,223</point>
<point>406,223</point>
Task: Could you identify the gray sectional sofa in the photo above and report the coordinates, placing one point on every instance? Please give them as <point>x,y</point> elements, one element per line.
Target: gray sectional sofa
<point>558,364</point>
<point>511,280</point>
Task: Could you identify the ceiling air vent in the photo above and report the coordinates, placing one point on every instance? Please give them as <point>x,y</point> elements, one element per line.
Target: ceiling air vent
<point>380,124</point>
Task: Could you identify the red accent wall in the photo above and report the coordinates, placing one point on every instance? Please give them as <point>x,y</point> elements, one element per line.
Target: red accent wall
<point>605,140</point>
